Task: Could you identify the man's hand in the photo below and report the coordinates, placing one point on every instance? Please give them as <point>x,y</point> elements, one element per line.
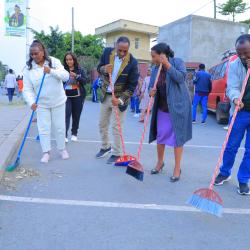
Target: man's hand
<point>108,68</point>
<point>34,107</point>
<point>46,70</point>
<point>72,74</point>
<point>248,63</point>
<point>152,93</point>
<point>115,101</point>
<point>164,61</point>
<point>239,104</point>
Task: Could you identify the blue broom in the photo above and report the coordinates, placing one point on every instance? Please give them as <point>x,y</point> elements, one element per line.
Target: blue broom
<point>206,199</point>
<point>13,166</point>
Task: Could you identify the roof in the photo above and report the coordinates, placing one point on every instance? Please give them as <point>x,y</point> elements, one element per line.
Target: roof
<point>126,25</point>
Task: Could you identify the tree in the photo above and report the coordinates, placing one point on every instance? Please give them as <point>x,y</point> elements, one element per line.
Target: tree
<point>233,7</point>
<point>246,22</point>
<point>3,71</point>
<point>54,41</point>
<point>87,48</point>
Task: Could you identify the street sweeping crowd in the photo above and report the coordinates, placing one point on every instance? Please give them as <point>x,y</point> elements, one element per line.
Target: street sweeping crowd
<point>61,87</point>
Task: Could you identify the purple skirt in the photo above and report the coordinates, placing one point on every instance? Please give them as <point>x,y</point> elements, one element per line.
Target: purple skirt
<point>165,131</point>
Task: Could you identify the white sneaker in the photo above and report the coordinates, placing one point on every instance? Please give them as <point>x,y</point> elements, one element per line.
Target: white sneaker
<point>45,158</point>
<point>136,115</point>
<point>66,140</point>
<point>64,154</point>
<point>74,138</point>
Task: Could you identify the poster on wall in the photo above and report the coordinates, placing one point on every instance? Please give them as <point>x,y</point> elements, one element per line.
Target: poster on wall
<point>15,18</point>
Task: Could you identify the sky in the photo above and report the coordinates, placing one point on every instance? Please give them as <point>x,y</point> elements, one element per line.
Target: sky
<point>94,13</point>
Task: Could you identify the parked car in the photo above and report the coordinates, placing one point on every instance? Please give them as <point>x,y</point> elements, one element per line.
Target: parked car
<point>218,102</point>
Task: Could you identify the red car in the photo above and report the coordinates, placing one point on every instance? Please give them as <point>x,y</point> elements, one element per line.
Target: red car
<point>218,102</point>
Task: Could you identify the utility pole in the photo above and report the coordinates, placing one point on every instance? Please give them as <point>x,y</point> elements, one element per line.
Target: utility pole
<point>73,32</point>
<point>215,9</point>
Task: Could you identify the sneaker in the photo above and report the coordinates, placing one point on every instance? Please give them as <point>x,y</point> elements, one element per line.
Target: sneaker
<point>112,159</point>
<point>203,122</point>
<point>243,189</point>
<point>103,152</point>
<point>66,140</point>
<point>136,115</point>
<point>45,158</point>
<point>220,179</point>
<point>64,154</point>
<point>74,138</point>
<point>225,128</point>
<point>194,121</point>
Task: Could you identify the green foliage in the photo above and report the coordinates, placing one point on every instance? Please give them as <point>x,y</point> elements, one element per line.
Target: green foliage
<point>59,43</point>
<point>246,22</point>
<point>88,48</point>
<point>233,7</point>
<point>3,71</point>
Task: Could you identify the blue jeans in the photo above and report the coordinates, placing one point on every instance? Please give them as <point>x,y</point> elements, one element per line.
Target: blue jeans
<point>94,95</point>
<point>10,93</point>
<point>135,104</point>
<point>203,101</point>
<point>241,126</point>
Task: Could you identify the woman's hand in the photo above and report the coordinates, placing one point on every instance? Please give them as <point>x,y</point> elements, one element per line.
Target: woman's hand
<point>164,61</point>
<point>72,74</point>
<point>46,70</point>
<point>152,93</point>
<point>239,104</point>
<point>34,107</point>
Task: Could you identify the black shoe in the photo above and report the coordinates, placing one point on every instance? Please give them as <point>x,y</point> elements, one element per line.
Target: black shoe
<point>243,189</point>
<point>174,178</point>
<point>203,122</point>
<point>220,179</point>
<point>103,152</point>
<point>112,159</point>
<point>157,171</point>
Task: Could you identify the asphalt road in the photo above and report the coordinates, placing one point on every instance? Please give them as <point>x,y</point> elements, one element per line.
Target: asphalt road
<point>85,204</point>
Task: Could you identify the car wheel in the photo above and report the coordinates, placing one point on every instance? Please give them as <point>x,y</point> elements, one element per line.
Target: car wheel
<point>221,117</point>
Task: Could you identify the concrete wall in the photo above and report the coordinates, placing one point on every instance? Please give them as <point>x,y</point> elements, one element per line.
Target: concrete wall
<point>211,38</point>
<point>142,53</point>
<point>12,49</point>
<point>201,39</point>
<point>177,35</point>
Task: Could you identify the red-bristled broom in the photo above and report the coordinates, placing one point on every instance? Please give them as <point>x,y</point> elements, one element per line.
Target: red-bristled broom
<point>135,168</point>
<point>206,199</point>
<point>125,159</point>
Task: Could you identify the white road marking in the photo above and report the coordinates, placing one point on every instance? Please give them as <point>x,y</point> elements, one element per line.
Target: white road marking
<point>171,208</point>
<point>152,144</point>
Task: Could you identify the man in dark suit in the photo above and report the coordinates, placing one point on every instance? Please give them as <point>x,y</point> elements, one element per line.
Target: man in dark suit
<point>123,68</point>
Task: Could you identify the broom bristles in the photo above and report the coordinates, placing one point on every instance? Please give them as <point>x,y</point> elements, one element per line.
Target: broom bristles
<point>207,201</point>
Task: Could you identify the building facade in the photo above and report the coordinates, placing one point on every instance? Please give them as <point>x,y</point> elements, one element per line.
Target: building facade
<point>140,36</point>
<point>201,39</point>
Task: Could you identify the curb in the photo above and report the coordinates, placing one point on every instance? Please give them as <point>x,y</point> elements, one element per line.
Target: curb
<point>10,146</point>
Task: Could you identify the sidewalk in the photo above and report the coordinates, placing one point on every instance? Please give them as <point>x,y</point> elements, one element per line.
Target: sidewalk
<point>13,122</point>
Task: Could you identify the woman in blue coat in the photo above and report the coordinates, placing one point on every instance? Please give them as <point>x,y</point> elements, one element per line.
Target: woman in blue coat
<point>171,122</point>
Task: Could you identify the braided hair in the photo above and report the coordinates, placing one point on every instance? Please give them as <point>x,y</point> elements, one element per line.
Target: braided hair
<point>39,44</point>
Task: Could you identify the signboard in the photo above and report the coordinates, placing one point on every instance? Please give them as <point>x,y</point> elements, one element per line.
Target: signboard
<point>15,18</point>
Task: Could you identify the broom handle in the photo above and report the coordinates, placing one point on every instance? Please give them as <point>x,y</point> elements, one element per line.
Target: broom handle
<point>117,115</point>
<point>229,131</point>
<point>148,114</point>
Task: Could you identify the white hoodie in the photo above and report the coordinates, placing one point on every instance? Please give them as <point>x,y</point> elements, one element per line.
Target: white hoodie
<point>52,93</point>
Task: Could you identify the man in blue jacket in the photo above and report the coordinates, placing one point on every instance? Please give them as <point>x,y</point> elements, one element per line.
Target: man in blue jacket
<point>241,128</point>
<point>203,86</point>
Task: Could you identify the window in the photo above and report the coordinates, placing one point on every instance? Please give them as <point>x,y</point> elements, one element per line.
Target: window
<point>137,43</point>
<point>219,71</point>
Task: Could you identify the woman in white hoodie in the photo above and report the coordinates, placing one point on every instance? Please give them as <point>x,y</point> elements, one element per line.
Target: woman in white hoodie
<point>51,105</point>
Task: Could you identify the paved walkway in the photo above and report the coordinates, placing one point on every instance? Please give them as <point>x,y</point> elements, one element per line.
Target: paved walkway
<point>11,127</point>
